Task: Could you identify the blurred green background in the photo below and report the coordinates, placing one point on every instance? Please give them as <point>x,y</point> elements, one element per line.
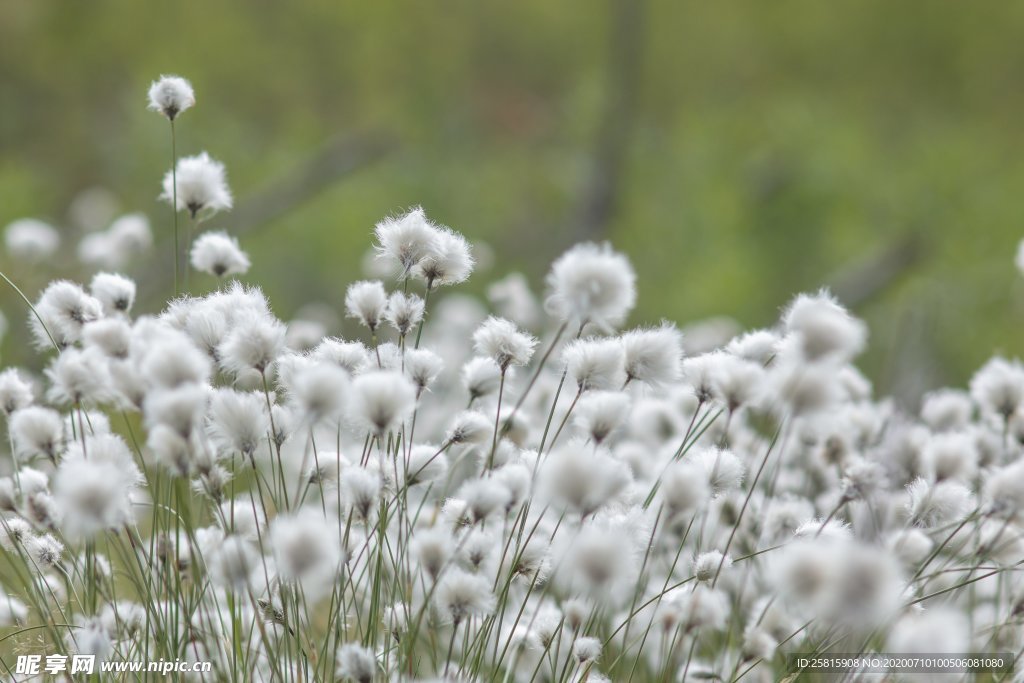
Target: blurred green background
<point>738,152</point>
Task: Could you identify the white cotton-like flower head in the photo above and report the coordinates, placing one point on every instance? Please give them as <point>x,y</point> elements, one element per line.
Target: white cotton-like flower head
<point>736,381</point>
<point>952,455</point>
<point>684,489</point>
<point>933,505</point>
<point>447,259</point>
<point>591,283</point>
<point>702,608</point>
<point>433,548</point>
<point>405,239</point>
<point>939,629</point>
<point>946,409</point>
<point>80,377</point>
<point>179,408</point>
<point>94,484</point>
<point>44,550</point>
<point>825,328</point>
<point>15,391</point>
<point>362,489</point>
<point>31,240</point>
<point>253,345</point>
<point>423,367</point>
<point>705,565</point>
<point>352,357</point>
<point>202,187</point>
<point>170,95</point>
<point>599,413</point>
<point>130,235</point>
<point>168,358</point>
<point>500,340</point>
<point>653,356</point>
<point>512,299</point>
<point>470,427</point>
<point>759,346</point>
<point>586,649</point>
<point>112,336</point>
<point>724,469</point>
<point>583,479</point>
<point>306,547</point>
<point>484,497</point>
<point>356,663</point>
<point>116,293</point>
<point>404,312</point>
<point>37,431</point>
<point>366,301</point>
<point>238,421</point>
<point>63,309</point>
<point>803,388</point>
<point>595,363</point>
<point>218,253</point>
<point>382,400</point>
<point>461,594</point>
<point>1004,490</point>
<point>233,563</point>
<point>319,393</point>
<point>998,387</point>
<point>481,377</point>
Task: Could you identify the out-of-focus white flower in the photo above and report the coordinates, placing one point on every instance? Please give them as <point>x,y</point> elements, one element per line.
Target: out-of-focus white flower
<point>60,313</point>
<point>461,594</point>
<point>171,95</point>
<point>404,312</point>
<point>945,502</point>
<point>998,387</point>
<point>356,663</point>
<point>591,283</point>
<point>446,261</point>
<point>31,240</point>
<point>218,253</point>
<point>383,398</point>
<point>37,431</point>
<point>826,330</point>
<point>94,485</point>
<point>15,392</point>
<point>202,186</point>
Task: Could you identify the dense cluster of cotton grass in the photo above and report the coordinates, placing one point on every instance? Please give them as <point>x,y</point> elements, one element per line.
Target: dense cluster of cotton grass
<point>534,494</point>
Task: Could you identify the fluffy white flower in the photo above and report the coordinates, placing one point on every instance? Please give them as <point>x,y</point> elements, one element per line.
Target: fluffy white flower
<point>218,253</point>
<point>500,340</point>
<point>366,301</point>
<point>461,594</point>
<point>202,187</point>
<point>480,377</point>
<point>405,239</point>
<point>447,259</point>
<point>935,505</point>
<point>599,413</point>
<point>94,484</point>
<point>116,293</point>
<point>595,363</point>
<point>15,392</point>
<point>31,240</point>
<point>306,549</point>
<point>382,400</point>
<point>404,312</point>
<point>653,356</point>
<point>423,367</point>
<point>356,663</point>
<point>825,329</point>
<point>238,422</point>
<point>62,309</point>
<point>253,345</point>
<point>998,387</point>
<point>591,283</point>
<point>37,431</point>
<point>80,377</point>
<point>171,95</point>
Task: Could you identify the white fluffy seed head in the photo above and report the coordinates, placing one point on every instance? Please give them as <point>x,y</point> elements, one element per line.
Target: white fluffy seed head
<point>404,312</point>
<point>653,356</point>
<point>15,392</point>
<point>470,427</point>
<point>253,345</point>
<point>595,363</point>
<point>218,253</point>
<point>932,505</point>
<point>94,484</point>
<point>31,240</point>
<point>998,387</point>
<point>170,95</point>
<point>238,421</point>
<point>202,186</point>
<point>60,314</point>
<point>356,663</point>
<point>36,431</point>
<point>365,301</point>
<point>591,283</point>
<point>447,259</point>
<point>382,400</point>
<point>586,649</point>
<point>461,594</point>
<point>481,377</point>
<point>599,413</point>
<point>825,329</point>
<point>423,367</point>
<point>500,340</point>
<point>116,293</point>
<point>406,239</point>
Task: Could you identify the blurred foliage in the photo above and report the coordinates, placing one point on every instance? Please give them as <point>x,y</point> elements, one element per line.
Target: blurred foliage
<point>768,146</point>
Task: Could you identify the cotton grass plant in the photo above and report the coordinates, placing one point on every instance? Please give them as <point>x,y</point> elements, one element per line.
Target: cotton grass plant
<point>530,494</point>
